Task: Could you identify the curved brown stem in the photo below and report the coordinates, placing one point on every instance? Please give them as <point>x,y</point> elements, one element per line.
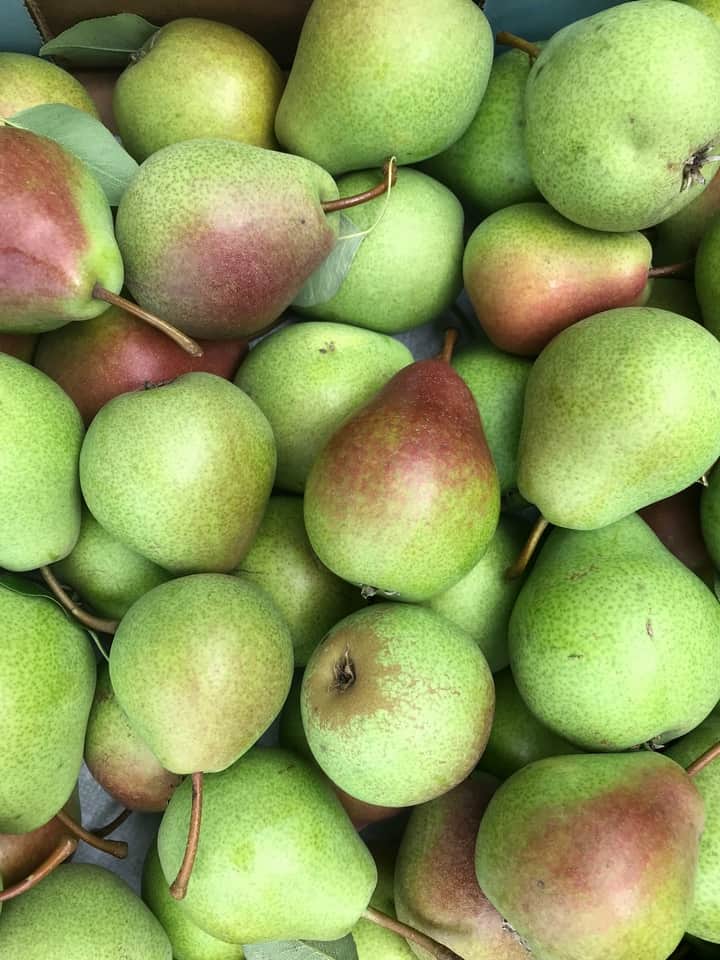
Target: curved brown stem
<point>518,568</point>
<point>116,848</point>
<point>511,40</point>
<point>702,761</point>
<point>671,270</point>
<point>82,616</point>
<point>435,949</point>
<point>178,887</point>
<point>63,850</point>
<point>451,338</point>
<point>181,339</point>
<point>344,203</point>
<point>113,825</point>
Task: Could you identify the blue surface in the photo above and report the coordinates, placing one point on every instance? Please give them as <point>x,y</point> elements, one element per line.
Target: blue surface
<point>17,31</point>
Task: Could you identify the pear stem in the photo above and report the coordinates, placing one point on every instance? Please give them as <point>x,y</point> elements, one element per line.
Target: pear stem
<point>511,40</point>
<point>64,850</point>
<point>451,338</point>
<point>518,568</point>
<point>116,848</point>
<point>704,760</point>
<point>86,619</point>
<point>670,270</point>
<point>344,203</point>
<point>180,338</point>
<point>113,825</point>
<point>178,888</point>
<point>435,949</point>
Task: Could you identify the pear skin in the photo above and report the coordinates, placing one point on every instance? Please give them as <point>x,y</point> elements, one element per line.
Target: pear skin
<point>18,345</point>
<point>678,238</point>
<point>21,853</point>
<point>27,81</point>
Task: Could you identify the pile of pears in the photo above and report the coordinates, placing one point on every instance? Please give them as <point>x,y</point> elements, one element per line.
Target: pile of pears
<point>383,585</point>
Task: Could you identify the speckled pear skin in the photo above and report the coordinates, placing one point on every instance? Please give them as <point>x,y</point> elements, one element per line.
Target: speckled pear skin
<point>47,680</point>
<point>675,295</point>
<point>404,498</point>
<point>517,737</point>
<point>497,382</point>
<point>408,269</point>
<point>232,91</point>
<point>218,236</point>
<point>181,473</point>
<point>27,81</point>
<point>620,67</point>
<point>530,273</point>
<point>711,8</point>
<point>307,378</point>
<point>613,641</point>
<point>587,457</point>
<point>310,598</point>
<point>677,238</point>
<point>373,942</point>
<point>707,276</point>
<point>278,858</point>
<point>62,239</point>
<point>79,911</point>
<point>225,657</point>
<point>21,853</point>
<point>189,942</point>
<point>371,80</point>
<point>487,167</point>
<point>40,438</point>
<point>436,889</point>
<point>481,603</point>
<point>118,758</point>
<point>397,704</point>
<point>593,856</point>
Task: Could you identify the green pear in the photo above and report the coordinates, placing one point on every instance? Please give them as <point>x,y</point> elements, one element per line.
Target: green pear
<point>231,92</point>
<point>677,238</point>
<point>613,641</point>
<point>120,761</point>
<point>373,942</point>
<point>189,942</point>
<point>307,594</point>
<point>47,680</point>
<point>307,378</point>
<point>22,853</point>
<point>180,473</point>
<point>79,911</point>
<point>27,81</point>
<point>710,517</point>
<point>707,276</point>
<point>107,574</point>
<point>711,8</point>
<point>201,666</point>
<point>644,154</point>
<point>587,455</point>
<point>40,438</point>
<point>591,857</point>
<point>704,919</point>
<point>530,273</point>
<point>517,737</point>
<point>279,859</point>
<point>218,236</point>
<point>408,269</point>
<point>397,704</point>
<point>677,296</point>
<point>497,382</point>
<point>481,603</point>
<point>374,80</point>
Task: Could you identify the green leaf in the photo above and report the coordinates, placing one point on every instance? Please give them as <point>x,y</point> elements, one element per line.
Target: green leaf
<point>324,283</point>
<point>27,588</point>
<point>102,42</point>
<point>85,137</point>
<point>344,949</point>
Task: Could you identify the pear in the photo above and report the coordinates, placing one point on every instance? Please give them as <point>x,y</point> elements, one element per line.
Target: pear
<point>587,457</point>
<point>613,641</point>
<point>487,167</point>
<point>47,680</point>
<point>373,942</point>
<point>436,890</point>
<point>220,236</point>
<point>675,295</point>
<point>593,856</point>
<point>22,853</point>
<point>370,81</point>
<point>40,438</point>
<point>707,275</point>
<point>81,911</point>
<point>711,8</point>
<point>481,603</point>
<point>676,523</point>
<point>279,859</point>
<point>404,498</point>
<point>517,737</point>
<point>530,273</point>
<point>27,81</point>
<point>180,473</point>
<point>281,561</point>
<point>307,378</point>
<point>661,133</point>
<point>710,517</point>
<point>677,238</point>
<point>408,269</point>
<point>397,704</point>
<point>18,345</point>
<point>232,91</point>
<point>120,761</point>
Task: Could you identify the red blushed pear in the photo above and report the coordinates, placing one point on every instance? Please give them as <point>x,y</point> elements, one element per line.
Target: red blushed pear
<point>18,345</point>
<point>530,273</point>
<point>676,523</point>
<point>23,853</point>
<point>404,498</point>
